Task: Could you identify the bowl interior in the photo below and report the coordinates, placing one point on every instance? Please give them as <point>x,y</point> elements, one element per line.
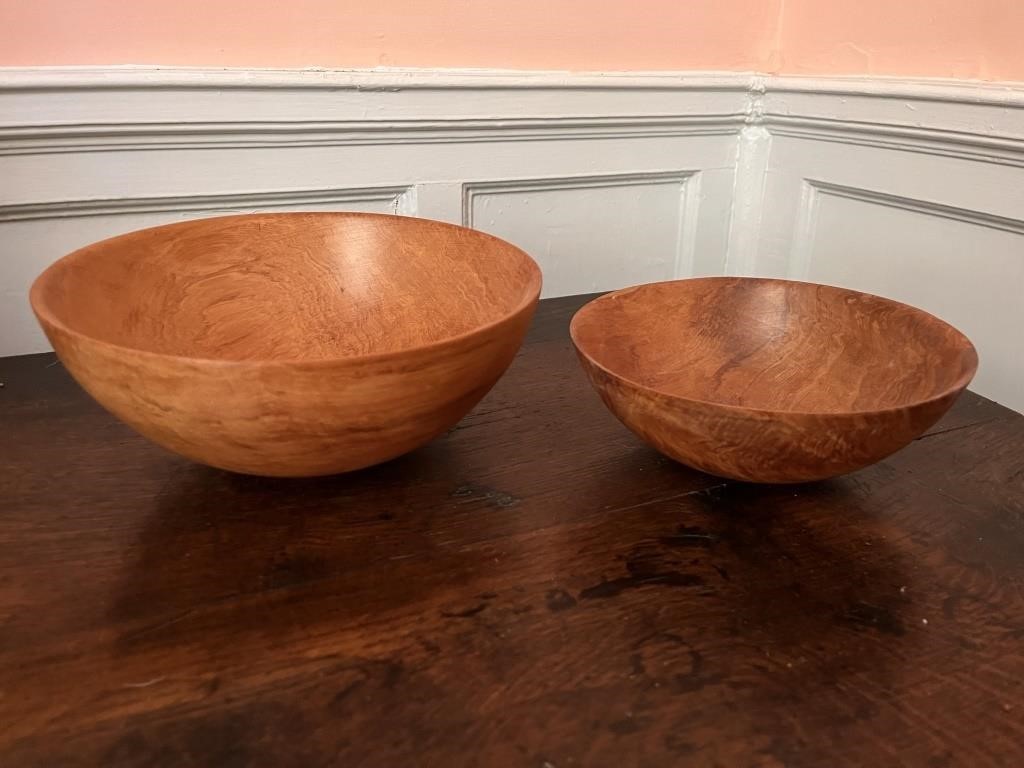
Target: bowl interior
<point>774,345</point>
<point>287,286</point>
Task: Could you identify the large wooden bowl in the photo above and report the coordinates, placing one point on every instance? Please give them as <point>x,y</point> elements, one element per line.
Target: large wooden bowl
<point>290,344</point>
<point>770,380</point>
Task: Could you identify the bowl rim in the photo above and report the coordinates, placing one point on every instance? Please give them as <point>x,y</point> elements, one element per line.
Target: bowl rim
<point>46,317</point>
<point>958,386</point>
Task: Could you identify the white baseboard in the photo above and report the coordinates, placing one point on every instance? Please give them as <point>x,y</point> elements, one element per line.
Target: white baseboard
<point>907,188</point>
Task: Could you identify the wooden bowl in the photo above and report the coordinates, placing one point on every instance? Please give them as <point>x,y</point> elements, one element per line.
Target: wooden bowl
<point>770,381</point>
<point>290,344</point>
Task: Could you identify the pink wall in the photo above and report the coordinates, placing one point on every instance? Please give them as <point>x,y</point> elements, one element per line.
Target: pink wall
<point>938,38</point>
<point>978,39</point>
<point>517,34</point>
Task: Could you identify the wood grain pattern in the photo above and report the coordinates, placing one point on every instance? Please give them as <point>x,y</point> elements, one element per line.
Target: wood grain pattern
<point>534,587</point>
<point>290,344</point>
<point>770,380</point>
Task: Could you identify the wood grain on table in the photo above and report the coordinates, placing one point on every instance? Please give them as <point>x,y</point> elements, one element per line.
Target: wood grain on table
<point>536,588</point>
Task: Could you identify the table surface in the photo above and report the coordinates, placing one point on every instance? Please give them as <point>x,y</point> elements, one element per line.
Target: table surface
<point>536,588</point>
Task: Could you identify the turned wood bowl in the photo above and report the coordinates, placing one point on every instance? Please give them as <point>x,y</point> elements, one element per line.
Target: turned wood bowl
<point>770,381</point>
<point>291,344</point>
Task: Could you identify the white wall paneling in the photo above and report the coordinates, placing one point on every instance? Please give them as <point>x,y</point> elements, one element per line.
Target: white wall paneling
<point>631,175</point>
<point>910,189</point>
<point>594,221</point>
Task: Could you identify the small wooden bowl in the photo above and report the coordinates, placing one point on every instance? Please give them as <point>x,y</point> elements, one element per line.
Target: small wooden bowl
<point>770,381</point>
<point>290,344</point>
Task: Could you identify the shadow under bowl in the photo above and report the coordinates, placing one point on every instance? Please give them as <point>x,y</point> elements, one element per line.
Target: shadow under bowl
<point>770,381</point>
<point>290,344</point>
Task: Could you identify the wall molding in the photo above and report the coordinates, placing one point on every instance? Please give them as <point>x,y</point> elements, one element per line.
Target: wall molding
<point>472,190</point>
<point>224,202</point>
<point>917,205</point>
<point>949,143</point>
<point>688,182</point>
<point>108,137</point>
<point>380,79</point>
<point>813,190</point>
<point>82,109</point>
<point>943,90</point>
<point>903,114</point>
<point>973,121</point>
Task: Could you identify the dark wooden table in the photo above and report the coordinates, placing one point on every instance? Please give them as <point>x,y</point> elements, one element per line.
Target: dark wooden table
<point>537,588</point>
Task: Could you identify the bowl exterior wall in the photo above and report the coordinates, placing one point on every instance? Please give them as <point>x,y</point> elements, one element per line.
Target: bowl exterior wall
<point>294,419</point>
<point>761,447</point>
